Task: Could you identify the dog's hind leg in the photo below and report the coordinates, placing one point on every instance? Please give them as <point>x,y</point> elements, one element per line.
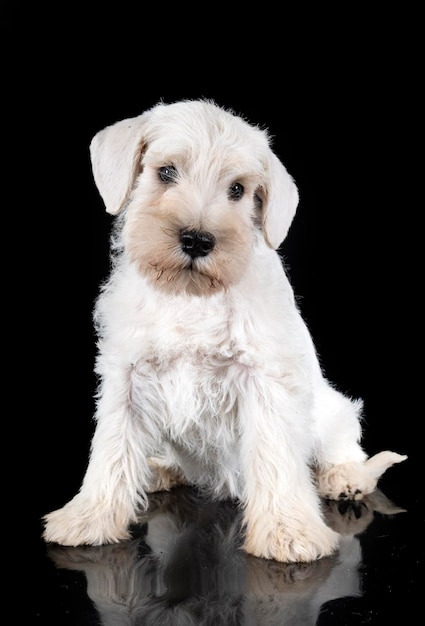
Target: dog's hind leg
<point>353,481</point>
<point>343,470</point>
<point>164,476</point>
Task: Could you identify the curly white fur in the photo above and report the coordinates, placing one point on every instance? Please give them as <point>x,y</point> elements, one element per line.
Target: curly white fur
<point>208,374</point>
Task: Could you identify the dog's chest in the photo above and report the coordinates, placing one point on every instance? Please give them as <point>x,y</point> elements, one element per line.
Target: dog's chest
<point>196,330</point>
<point>188,364</point>
<point>191,397</point>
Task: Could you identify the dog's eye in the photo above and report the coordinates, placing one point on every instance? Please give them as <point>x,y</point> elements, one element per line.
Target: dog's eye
<point>236,191</point>
<point>167,173</point>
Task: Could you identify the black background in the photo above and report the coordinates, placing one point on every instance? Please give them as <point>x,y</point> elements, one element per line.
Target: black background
<point>341,96</point>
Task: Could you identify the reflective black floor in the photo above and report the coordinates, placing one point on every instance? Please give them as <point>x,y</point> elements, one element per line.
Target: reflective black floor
<point>184,567</point>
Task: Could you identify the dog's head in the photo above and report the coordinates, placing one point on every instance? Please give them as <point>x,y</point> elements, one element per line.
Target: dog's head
<point>197,183</point>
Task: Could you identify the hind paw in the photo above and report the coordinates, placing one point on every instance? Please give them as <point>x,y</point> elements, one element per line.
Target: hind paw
<point>352,481</point>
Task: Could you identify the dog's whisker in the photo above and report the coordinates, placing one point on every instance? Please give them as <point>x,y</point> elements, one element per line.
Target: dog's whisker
<point>169,232</point>
<point>158,271</point>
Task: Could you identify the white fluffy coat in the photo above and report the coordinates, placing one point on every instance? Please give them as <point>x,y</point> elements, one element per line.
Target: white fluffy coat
<point>208,374</point>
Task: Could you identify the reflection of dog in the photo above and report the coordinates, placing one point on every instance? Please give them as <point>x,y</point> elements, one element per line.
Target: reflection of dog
<point>208,375</point>
<point>187,567</point>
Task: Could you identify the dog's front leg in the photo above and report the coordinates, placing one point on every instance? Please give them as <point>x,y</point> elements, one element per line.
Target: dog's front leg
<point>282,513</point>
<point>117,477</point>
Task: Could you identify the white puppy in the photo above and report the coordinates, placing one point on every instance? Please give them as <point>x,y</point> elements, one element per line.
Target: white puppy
<point>208,375</point>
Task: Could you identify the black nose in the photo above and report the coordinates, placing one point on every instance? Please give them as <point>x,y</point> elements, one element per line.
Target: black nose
<point>196,243</point>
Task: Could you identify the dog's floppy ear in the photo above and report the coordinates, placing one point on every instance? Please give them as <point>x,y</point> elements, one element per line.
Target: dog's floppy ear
<point>279,204</point>
<point>115,154</point>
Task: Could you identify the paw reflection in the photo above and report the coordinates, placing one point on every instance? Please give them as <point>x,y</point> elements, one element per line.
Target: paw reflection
<point>185,566</point>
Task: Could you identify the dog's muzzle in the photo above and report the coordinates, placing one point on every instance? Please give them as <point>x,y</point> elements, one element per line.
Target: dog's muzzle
<point>196,243</point>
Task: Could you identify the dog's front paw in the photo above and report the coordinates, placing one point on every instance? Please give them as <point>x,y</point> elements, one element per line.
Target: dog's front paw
<point>352,481</point>
<point>76,524</point>
<point>292,544</point>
